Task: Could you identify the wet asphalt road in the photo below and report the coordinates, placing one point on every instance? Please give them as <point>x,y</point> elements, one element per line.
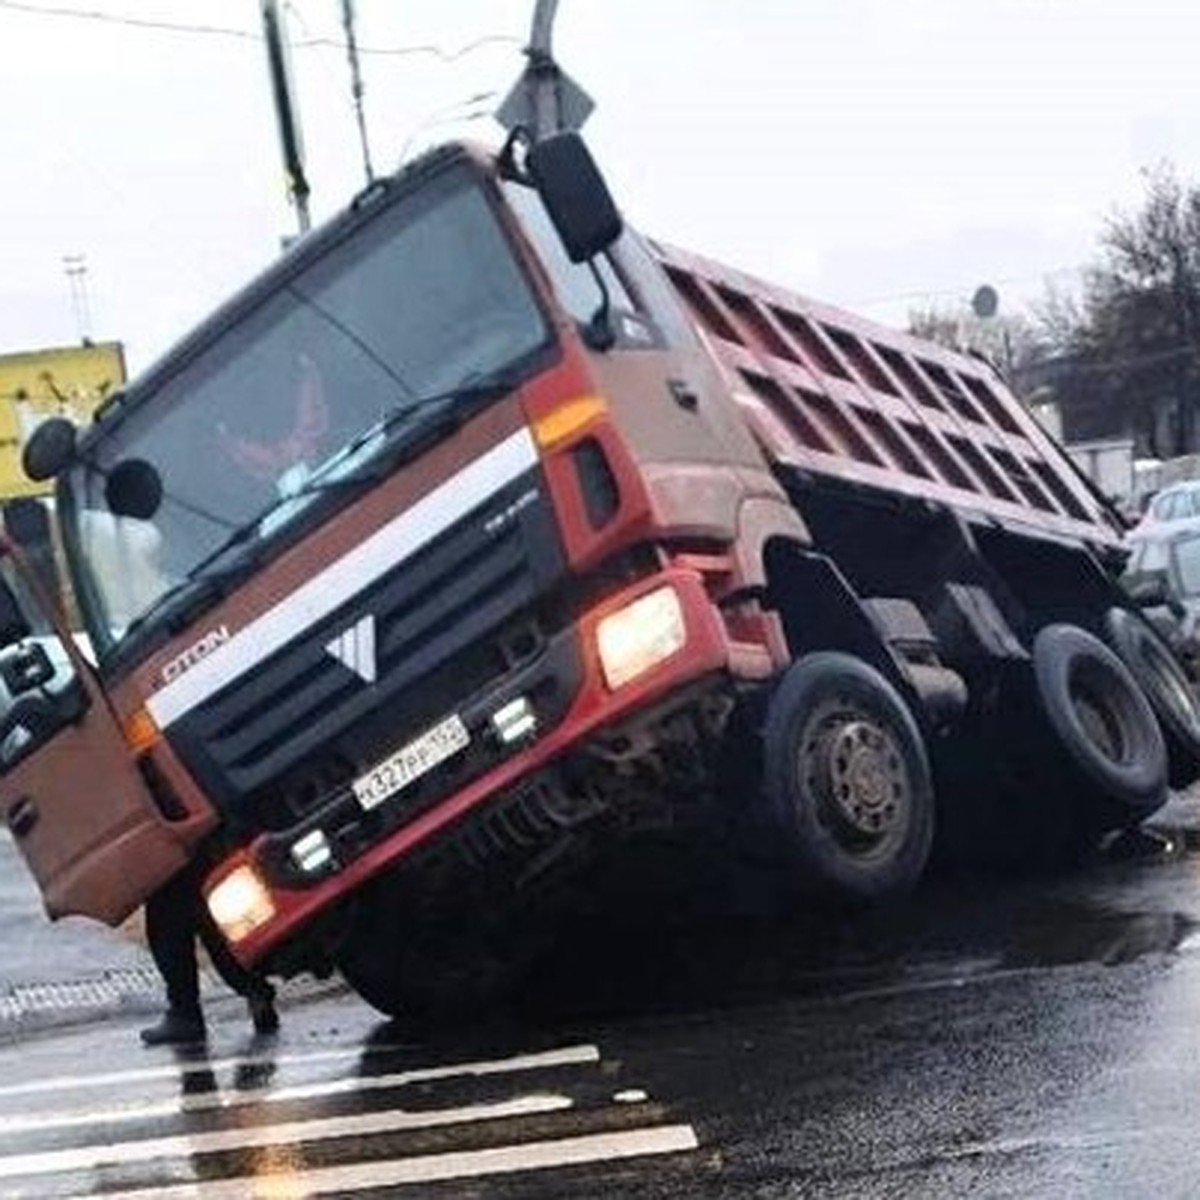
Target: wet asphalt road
<point>997,1038</point>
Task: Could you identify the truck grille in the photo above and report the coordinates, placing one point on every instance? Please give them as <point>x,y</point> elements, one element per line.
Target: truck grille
<point>447,621</point>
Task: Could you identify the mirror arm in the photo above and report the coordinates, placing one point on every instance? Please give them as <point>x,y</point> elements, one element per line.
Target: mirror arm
<point>506,160</point>
<point>598,333</point>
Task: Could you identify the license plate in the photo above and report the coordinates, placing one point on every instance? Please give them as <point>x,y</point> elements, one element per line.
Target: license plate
<point>410,762</point>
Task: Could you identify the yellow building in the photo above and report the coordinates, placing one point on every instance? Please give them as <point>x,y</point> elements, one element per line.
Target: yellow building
<point>66,381</point>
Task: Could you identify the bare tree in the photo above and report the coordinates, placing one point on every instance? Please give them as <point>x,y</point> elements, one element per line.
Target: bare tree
<point>1009,343</point>
<point>1127,354</point>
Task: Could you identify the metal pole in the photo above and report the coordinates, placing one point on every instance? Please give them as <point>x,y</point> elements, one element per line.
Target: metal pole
<point>356,86</point>
<point>289,124</point>
<point>547,101</point>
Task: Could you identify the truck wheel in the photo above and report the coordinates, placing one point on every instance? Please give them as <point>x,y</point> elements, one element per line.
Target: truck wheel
<point>409,964</point>
<point>1101,719</point>
<point>846,780</point>
<point>426,983</point>
<point>1159,674</point>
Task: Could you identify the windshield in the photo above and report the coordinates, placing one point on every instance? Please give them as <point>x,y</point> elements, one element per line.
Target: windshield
<point>424,300</point>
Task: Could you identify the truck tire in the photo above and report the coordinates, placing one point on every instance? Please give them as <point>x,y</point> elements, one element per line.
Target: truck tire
<point>846,780</point>
<point>1159,674</point>
<point>426,984</point>
<point>1101,720</point>
<point>428,969</point>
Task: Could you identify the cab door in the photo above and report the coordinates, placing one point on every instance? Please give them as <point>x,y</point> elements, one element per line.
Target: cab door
<point>71,794</point>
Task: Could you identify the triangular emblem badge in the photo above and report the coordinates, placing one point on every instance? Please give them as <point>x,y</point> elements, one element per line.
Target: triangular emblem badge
<point>355,648</point>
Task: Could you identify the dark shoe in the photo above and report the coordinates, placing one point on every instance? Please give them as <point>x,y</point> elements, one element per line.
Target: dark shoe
<point>262,1012</point>
<point>175,1029</point>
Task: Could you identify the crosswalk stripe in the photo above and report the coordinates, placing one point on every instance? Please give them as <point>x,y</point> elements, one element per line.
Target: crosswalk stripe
<point>431,1168</point>
<point>208,1101</point>
<point>313,1129</point>
<point>173,1071</point>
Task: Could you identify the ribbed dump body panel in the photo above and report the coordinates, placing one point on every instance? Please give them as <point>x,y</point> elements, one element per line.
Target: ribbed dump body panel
<point>832,394</point>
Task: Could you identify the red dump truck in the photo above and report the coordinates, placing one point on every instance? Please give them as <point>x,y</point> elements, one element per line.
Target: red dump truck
<point>480,534</point>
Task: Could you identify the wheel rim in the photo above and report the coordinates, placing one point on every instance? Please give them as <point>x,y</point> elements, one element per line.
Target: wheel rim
<point>852,765</point>
<point>1102,720</point>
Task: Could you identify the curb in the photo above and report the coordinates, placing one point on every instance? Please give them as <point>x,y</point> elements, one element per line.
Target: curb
<point>30,1008</point>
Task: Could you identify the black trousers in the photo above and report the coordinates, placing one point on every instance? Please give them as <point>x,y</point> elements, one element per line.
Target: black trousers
<point>176,916</point>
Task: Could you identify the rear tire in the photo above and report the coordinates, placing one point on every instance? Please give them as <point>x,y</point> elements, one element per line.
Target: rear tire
<point>1102,722</point>
<point>1165,684</point>
<point>846,780</point>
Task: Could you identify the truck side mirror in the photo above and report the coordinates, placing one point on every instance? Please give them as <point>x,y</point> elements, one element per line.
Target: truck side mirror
<point>133,489</point>
<point>13,625</point>
<point>50,448</point>
<point>575,195</point>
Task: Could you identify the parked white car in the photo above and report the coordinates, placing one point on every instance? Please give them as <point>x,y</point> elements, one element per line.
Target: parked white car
<point>1172,507</point>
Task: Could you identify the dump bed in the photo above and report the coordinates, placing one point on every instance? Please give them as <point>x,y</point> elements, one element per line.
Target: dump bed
<point>833,395</point>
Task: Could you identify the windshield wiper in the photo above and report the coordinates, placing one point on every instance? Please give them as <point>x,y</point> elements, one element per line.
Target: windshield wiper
<point>429,419</point>
<point>410,427</point>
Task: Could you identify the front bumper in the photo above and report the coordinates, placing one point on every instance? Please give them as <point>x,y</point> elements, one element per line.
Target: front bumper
<point>705,651</point>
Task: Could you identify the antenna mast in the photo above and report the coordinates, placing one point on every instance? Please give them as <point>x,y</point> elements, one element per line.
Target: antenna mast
<point>356,86</point>
<point>75,267</point>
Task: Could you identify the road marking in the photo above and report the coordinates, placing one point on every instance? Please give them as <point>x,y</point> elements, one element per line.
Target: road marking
<point>517,1062</point>
<point>570,1056</point>
<point>431,1168</point>
<point>259,1136</point>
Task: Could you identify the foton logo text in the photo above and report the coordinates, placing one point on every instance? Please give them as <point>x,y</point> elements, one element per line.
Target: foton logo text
<point>199,649</point>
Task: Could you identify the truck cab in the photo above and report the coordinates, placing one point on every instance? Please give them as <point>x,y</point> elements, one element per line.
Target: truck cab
<point>473,535</point>
<point>376,542</point>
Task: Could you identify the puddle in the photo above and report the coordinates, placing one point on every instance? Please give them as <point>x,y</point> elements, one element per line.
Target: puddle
<point>1060,934</point>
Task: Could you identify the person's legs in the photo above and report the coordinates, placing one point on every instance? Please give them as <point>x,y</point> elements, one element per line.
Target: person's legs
<point>258,992</point>
<point>171,932</point>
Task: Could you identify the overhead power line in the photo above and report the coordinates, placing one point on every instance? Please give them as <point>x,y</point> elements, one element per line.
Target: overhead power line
<point>249,35</point>
<point>80,14</point>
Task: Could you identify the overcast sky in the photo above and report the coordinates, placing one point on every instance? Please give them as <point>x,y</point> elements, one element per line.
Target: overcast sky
<point>876,153</point>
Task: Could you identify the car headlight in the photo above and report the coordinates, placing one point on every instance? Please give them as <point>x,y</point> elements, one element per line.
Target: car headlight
<point>240,903</point>
<point>634,638</point>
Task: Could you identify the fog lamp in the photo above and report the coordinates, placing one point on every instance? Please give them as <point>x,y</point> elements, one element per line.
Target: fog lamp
<point>637,637</point>
<point>312,852</point>
<point>240,903</point>
<point>514,720</point>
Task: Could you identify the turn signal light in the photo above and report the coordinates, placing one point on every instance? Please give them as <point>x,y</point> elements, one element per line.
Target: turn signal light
<point>567,420</point>
<point>240,903</point>
<point>141,733</point>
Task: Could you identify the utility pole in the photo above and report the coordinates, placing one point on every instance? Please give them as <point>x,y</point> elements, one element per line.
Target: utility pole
<point>543,70</point>
<point>282,90</point>
<point>545,100</point>
<point>356,86</point>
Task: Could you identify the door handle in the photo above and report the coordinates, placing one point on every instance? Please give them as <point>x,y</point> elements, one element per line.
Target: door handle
<point>22,816</point>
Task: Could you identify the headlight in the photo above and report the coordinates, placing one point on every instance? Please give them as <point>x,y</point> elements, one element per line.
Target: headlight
<point>636,637</point>
<point>240,903</point>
